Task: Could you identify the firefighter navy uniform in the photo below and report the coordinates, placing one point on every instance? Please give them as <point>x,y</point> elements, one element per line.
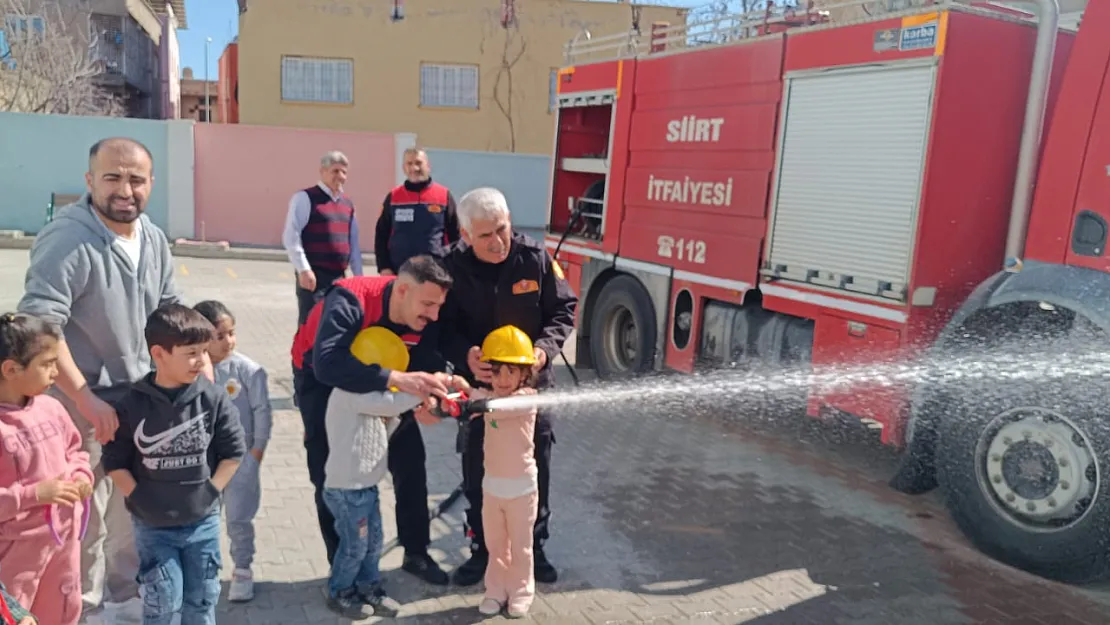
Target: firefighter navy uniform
<point>528,290</point>
<point>417,218</point>
<point>322,360</point>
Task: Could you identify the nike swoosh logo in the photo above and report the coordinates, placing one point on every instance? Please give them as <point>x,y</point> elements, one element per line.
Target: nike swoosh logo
<point>147,444</point>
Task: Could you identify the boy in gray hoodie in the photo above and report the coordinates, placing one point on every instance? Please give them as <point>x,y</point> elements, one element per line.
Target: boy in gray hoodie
<point>359,426</point>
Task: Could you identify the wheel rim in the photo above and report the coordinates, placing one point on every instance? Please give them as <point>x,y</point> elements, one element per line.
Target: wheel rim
<point>1037,468</point>
<point>621,343</point>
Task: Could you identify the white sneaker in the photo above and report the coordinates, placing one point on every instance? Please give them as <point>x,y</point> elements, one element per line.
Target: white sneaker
<point>242,586</point>
<point>489,607</point>
<point>128,612</point>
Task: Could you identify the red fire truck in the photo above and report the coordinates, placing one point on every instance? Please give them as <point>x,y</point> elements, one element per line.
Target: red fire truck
<point>855,185</point>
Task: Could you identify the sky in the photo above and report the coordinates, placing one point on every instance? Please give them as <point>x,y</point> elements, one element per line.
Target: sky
<point>218,19</point>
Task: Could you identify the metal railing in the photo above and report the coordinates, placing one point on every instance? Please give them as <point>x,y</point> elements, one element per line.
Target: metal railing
<point>704,28</point>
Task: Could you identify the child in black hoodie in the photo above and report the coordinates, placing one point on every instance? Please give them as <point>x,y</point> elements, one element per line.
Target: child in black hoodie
<point>178,444</point>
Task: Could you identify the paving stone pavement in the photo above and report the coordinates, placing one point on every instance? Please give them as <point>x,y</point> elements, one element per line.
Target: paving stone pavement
<point>660,516</point>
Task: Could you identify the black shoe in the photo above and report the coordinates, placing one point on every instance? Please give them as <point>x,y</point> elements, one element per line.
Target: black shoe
<point>423,566</point>
<point>350,606</point>
<point>473,570</point>
<point>545,571</point>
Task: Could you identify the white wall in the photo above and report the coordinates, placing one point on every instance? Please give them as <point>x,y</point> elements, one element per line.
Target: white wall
<point>181,151</point>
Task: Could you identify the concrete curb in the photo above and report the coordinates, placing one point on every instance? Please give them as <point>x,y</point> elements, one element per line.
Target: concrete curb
<point>182,248</point>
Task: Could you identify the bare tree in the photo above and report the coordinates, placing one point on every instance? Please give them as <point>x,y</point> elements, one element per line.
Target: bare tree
<point>47,65</point>
<point>513,47</point>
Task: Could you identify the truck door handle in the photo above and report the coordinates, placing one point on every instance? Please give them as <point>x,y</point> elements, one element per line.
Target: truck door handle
<point>1088,237</point>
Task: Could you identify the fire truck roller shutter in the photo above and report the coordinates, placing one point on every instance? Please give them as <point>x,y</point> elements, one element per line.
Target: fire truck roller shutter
<point>1024,464</point>
<point>623,329</point>
<point>849,178</point>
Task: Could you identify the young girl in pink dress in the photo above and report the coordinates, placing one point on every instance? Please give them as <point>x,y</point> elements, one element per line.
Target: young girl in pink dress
<point>45,478</point>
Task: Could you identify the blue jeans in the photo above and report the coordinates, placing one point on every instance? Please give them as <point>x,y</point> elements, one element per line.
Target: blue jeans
<point>358,521</point>
<point>179,571</point>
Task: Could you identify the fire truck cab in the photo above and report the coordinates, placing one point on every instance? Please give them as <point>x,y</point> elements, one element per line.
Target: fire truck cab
<point>859,185</point>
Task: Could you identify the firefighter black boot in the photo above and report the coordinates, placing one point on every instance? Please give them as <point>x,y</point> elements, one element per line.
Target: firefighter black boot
<point>545,571</point>
<point>423,566</point>
<point>473,570</point>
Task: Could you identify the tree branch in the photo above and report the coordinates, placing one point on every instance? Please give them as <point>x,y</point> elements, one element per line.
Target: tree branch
<point>509,59</point>
<point>49,67</point>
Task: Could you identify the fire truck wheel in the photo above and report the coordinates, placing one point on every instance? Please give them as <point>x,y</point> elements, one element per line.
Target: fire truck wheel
<point>623,329</point>
<point>1024,475</point>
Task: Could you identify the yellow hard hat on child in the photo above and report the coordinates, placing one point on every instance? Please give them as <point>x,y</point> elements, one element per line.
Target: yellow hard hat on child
<point>378,346</point>
<point>508,344</point>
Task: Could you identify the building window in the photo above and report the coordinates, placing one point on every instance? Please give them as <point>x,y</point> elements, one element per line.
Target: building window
<point>449,86</point>
<point>19,26</point>
<point>552,90</point>
<point>305,79</point>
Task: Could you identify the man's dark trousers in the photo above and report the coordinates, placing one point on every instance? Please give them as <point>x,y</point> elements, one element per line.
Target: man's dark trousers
<point>307,299</point>
<point>410,486</point>
<point>406,462</point>
<point>474,470</point>
<point>312,399</point>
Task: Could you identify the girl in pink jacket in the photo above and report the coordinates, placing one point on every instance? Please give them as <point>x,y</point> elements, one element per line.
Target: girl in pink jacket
<point>45,478</point>
<point>510,491</point>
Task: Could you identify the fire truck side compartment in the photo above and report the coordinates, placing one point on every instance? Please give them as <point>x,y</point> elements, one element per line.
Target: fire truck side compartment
<point>700,157</point>
<point>949,233</point>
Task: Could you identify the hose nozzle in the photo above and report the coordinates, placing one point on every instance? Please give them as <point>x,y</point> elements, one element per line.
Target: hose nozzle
<point>459,406</point>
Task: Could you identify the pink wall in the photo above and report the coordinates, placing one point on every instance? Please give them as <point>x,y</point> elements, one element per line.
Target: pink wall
<point>245,176</point>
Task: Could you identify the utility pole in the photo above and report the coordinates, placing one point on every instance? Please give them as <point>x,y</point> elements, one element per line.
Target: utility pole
<point>207,102</point>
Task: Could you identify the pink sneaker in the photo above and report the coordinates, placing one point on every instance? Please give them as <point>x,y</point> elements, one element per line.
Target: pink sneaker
<point>518,609</point>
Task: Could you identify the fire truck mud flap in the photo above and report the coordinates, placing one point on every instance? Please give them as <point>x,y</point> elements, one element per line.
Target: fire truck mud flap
<point>1023,461</point>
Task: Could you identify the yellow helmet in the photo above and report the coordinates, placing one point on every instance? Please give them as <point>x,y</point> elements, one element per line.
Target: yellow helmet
<point>378,346</point>
<point>508,344</point>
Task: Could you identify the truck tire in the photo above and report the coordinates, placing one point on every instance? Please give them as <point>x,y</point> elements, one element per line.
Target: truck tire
<point>623,330</point>
<point>1024,475</point>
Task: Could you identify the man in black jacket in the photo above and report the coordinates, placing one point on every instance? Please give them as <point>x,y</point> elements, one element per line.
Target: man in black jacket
<point>502,278</point>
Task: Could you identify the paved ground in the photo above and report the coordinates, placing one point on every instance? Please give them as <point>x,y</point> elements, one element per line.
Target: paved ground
<point>659,518</point>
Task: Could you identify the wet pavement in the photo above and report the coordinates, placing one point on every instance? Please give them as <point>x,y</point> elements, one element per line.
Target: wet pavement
<point>658,518</point>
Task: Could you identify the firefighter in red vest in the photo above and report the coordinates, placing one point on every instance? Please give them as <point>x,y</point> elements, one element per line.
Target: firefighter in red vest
<point>321,234</point>
<point>405,304</point>
<point>418,217</point>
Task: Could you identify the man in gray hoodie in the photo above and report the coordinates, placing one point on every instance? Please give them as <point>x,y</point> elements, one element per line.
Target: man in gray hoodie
<point>98,271</point>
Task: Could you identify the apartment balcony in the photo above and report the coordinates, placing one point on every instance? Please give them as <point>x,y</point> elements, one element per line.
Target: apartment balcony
<point>125,51</point>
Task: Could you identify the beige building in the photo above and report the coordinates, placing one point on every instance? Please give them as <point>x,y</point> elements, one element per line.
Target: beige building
<point>448,71</point>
